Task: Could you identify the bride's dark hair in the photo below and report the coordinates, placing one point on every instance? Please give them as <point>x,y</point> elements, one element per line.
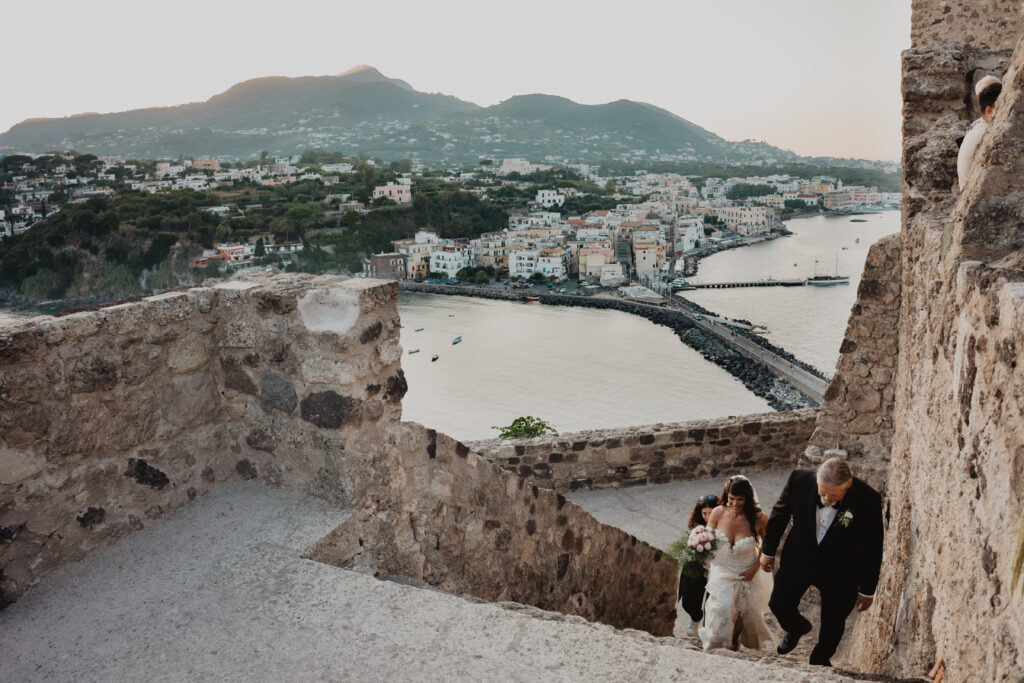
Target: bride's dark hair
<point>739,486</point>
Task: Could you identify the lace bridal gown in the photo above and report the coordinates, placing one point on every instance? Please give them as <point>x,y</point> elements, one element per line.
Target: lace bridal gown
<point>733,602</point>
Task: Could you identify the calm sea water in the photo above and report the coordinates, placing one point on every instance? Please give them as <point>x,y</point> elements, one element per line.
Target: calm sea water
<point>577,368</point>
<point>807,321</point>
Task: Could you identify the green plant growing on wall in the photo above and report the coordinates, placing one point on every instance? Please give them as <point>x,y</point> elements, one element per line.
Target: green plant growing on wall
<point>524,428</point>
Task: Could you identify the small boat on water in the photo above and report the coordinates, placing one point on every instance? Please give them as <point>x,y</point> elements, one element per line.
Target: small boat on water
<point>456,340</point>
<point>857,241</point>
<point>434,357</point>
<point>845,248</point>
<point>418,329</point>
<point>412,351</point>
<point>451,315</point>
<point>533,298</point>
<point>827,280</point>
<point>858,220</point>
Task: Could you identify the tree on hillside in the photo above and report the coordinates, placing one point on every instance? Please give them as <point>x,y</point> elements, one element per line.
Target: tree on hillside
<point>260,250</point>
<point>744,190</point>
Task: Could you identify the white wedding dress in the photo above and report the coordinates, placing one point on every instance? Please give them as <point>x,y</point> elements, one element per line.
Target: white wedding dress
<point>731,599</point>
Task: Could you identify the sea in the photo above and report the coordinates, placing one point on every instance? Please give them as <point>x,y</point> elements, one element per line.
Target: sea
<point>580,368</point>
<point>809,322</point>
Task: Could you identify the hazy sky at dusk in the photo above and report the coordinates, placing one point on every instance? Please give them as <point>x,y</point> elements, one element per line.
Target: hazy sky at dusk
<point>820,77</point>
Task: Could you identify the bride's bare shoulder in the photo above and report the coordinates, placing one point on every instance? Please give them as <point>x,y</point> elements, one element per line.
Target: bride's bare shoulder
<point>717,513</point>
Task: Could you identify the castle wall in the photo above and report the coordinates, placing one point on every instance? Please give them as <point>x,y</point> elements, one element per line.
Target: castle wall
<point>112,418</point>
<point>856,415</point>
<point>438,512</point>
<point>655,454</point>
<point>956,484</point>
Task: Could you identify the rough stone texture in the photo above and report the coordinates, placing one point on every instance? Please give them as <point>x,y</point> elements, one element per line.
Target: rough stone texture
<point>977,22</point>
<point>956,485</point>
<point>655,454</point>
<point>440,513</point>
<point>114,417</point>
<point>856,414</point>
<point>277,393</point>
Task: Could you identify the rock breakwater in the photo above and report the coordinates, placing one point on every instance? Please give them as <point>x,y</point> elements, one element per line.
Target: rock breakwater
<point>756,377</point>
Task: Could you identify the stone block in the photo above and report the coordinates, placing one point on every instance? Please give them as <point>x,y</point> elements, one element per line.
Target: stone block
<point>329,410</point>
<point>190,400</point>
<point>17,466</point>
<point>187,354</point>
<point>277,393</point>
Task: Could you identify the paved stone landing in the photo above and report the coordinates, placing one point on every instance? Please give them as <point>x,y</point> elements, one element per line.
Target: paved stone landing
<point>218,591</point>
<point>658,513</point>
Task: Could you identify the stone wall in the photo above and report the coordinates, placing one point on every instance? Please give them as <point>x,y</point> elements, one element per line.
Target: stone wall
<point>856,415</point>
<point>440,513</point>
<point>112,418</point>
<point>956,484</point>
<point>655,454</point>
<point>973,22</point>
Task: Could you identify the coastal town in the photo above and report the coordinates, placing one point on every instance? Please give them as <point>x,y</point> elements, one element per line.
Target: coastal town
<point>655,223</point>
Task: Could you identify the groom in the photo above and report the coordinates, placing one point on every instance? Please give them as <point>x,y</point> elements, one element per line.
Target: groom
<point>835,545</point>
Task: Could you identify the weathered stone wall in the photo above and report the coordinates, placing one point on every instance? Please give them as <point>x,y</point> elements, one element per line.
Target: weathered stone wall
<point>440,513</point>
<point>110,419</point>
<point>974,22</point>
<point>856,415</point>
<point>655,454</point>
<point>956,485</point>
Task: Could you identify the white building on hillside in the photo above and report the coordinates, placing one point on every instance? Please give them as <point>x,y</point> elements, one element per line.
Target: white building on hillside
<point>450,260</point>
<point>551,263</point>
<point>522,262</point>
<point>689,232</point>
<point>549,198</point>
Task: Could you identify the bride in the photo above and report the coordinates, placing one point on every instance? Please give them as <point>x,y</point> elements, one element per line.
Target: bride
<point>738,592</point>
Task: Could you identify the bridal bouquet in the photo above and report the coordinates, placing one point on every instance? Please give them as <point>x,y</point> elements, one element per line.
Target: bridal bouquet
<point>693,551</point>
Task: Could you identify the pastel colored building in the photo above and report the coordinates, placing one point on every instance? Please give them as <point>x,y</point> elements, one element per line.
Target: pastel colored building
<point>400,194</point>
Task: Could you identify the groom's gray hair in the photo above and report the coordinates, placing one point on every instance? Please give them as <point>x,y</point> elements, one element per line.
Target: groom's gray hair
<point>834,472</point>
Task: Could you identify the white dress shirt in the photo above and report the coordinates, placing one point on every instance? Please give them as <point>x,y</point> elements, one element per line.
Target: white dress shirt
<point>825,516</point>
<point>965,157</point>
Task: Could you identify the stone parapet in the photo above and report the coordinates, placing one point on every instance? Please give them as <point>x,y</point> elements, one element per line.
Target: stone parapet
<point>438,512</point>
<point>111,418</point>
<point>655,454</point>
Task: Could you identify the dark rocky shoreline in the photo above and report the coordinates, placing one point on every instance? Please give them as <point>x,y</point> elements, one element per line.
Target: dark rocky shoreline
<point>779,394</point>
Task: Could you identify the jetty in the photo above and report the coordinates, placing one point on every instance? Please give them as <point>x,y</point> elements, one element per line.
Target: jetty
<point>748,283</point>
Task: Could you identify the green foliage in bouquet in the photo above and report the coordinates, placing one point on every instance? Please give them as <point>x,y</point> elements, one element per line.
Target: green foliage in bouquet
<point>689,561</point>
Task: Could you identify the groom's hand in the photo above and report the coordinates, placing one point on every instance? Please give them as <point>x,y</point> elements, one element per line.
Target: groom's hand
<point>768,564</point>
<point>863,602</point>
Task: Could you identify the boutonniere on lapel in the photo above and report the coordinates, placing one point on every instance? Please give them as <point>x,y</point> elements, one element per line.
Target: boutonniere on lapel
<point>844,518</point>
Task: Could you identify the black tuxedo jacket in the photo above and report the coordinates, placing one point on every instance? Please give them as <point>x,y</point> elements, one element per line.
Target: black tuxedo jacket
<point>848,556</point>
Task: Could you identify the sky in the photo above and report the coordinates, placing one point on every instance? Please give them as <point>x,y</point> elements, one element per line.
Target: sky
<point>819,77</point>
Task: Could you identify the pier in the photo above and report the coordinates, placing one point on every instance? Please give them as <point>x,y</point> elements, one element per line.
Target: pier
<point>750,283</point>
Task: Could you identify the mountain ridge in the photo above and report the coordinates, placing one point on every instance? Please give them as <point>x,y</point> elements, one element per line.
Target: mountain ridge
<point>362,110</point>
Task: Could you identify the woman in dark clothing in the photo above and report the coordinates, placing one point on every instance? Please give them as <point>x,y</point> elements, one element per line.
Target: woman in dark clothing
<point>691,591</point>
